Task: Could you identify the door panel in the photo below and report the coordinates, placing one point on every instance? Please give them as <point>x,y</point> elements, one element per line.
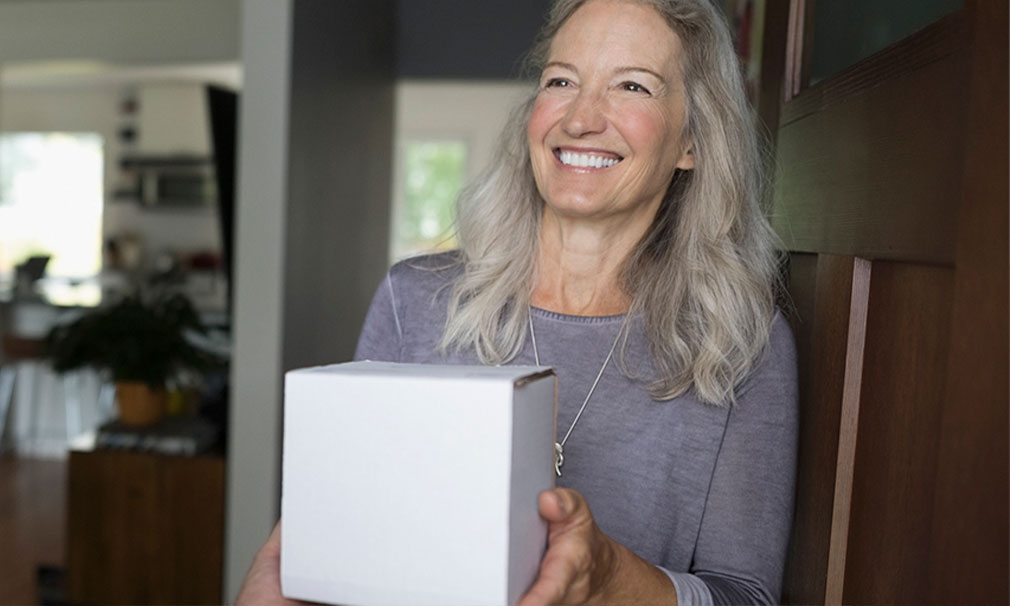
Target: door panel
<point>901,396</point>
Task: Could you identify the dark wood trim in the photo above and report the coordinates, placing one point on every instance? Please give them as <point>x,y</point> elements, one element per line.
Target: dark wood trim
<point>807,50</point>
<point>848,430</point>
<point>936,41</point>
<point>821,290</point>
<point>794,49</point>
<point>806,557</point>
<point>773,64</point>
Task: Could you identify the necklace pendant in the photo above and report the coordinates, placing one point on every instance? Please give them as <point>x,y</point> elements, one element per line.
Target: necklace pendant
<point>559,458</point>
<point>559,451</point>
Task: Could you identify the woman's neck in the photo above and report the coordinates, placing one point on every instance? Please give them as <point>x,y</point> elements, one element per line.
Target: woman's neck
<point>579,265</point>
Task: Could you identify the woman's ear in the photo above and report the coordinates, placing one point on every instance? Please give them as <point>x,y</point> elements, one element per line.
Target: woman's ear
<point>686,161</point>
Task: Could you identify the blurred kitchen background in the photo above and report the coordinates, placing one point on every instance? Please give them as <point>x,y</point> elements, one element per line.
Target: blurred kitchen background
<point>121,126</point>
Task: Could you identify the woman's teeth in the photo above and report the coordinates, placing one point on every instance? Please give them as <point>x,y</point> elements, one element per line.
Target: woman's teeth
<point>586,160</point>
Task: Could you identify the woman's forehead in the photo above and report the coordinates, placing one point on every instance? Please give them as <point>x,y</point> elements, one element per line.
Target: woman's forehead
<point>626,34</point>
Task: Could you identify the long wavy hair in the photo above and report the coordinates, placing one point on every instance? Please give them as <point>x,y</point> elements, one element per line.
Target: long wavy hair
<point>702,278</point>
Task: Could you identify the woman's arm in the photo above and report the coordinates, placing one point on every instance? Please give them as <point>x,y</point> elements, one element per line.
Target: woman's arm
<point>585,566</point>
<point>381,333</point>
<point>741,548</point>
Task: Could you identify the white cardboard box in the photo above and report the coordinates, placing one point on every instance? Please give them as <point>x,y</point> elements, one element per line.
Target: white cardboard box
<point>415,484</point>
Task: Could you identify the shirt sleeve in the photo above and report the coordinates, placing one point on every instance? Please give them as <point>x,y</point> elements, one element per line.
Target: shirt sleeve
<point>381,334</point>
<point>741,548</point>
<point>691,590</point>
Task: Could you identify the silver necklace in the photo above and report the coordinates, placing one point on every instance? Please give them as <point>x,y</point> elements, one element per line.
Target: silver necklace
<point>559,447</point>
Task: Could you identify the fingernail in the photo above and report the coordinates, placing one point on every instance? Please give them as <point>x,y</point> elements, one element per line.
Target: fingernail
<point>562,503</point>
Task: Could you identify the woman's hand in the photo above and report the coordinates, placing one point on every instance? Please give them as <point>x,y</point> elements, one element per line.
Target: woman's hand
<point>580,562</point>
<point>262,585</point>
<point>583,565</point>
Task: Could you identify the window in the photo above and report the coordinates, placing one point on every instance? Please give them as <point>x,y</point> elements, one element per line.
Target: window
<point>445,133</point>
<point>847,31</point>
<point>433,173</point>
<point>51,204</point>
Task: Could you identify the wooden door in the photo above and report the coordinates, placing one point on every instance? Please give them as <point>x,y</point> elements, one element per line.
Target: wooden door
<point>891,197</point>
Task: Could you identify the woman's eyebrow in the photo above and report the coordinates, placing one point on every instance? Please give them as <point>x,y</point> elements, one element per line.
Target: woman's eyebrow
<point>625,70</point>
<point>618,71</point>
<point>562,65</point>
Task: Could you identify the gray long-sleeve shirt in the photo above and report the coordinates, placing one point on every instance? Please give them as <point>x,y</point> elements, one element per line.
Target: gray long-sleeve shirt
<point>703,492</point>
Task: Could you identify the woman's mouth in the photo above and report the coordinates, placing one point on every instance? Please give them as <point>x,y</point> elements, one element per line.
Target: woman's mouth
<point>594,159</point>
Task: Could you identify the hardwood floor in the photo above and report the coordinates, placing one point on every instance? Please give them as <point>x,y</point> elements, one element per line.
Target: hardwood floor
<point>32,524</point>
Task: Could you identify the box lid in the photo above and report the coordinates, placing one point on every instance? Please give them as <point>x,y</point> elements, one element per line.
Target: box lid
<point>511,374</point>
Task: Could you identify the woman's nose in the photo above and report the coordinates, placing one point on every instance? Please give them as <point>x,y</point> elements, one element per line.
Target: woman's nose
<point>584,115</point>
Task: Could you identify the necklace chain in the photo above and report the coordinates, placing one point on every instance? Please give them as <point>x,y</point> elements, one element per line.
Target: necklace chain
<point>559,447</point>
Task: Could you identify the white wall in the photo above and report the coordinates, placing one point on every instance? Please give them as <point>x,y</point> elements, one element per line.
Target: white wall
<point>254,411</point>
<point>120,31</point>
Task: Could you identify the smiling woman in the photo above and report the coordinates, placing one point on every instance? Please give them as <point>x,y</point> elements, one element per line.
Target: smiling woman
<point>702,272</point>
<point>618,236</point>
<point>624,107</point>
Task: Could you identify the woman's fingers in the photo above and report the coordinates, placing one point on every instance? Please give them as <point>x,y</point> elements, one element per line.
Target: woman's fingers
<point>564,509</point>
<point>262,585</point>
<point>552,505</point>
<point>566,569</point>
<point>551,587</point>
<point>272,548</point>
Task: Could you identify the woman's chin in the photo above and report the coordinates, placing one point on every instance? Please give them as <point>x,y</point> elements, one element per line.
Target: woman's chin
<point>592,209</point>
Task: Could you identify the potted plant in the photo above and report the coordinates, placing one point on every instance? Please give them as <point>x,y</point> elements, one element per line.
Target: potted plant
<point>141,345</point>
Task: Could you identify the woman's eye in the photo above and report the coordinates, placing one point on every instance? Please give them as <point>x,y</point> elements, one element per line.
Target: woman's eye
<point>635,87</point>
<point>557,83</point>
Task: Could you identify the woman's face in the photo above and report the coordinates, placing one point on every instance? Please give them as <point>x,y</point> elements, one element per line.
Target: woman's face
<point>606,134</point>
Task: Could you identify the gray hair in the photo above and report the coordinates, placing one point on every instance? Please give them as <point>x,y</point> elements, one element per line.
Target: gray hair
<point>703,277</point>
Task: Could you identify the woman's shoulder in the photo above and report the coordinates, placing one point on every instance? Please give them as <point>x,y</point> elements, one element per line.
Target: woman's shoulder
<point>780,337</point>
<point>774,372</point>
<point>779,353</point>
<point>425,274</point>
<point>439,262</point>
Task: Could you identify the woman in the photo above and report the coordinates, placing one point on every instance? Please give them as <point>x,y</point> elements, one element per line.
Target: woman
<point>618,237</point>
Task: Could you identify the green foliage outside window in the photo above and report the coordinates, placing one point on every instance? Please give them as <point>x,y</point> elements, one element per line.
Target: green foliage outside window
<point>434,172</point>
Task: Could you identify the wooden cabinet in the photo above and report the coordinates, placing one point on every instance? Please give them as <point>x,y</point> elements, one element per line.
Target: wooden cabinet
<point>145,528</point>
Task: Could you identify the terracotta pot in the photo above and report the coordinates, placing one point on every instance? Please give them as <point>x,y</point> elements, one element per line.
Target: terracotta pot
<point>139,404</point>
